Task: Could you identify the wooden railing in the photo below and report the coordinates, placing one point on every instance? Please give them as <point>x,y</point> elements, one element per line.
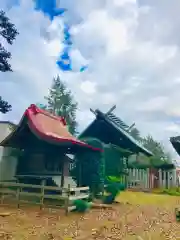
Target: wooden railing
<point>22,193</point>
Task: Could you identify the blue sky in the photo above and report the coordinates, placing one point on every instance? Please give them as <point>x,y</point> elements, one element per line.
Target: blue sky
<point>51,10</point>
<point>123,52</point>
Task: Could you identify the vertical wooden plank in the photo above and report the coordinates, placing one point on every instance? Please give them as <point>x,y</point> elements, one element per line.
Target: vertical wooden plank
<point>132,177</point>
<point>144,178</point>
<point>129,178</point>
<point>2,195</point>
<point>160,178</point>
<point>62,175</point>
<point>67,199</point>
<point>147,178</point>
<point>18,196</point>
<point>42,194</point>
<point>80,173</point>
<point>174,177</point>
<point>168,179</point>
<point>136,178</point>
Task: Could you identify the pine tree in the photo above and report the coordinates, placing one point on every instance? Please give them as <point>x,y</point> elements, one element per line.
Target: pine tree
<point>8,32</point>
<point>60,101</point>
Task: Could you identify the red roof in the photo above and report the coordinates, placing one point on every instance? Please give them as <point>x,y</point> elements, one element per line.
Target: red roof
<point>48,127</point>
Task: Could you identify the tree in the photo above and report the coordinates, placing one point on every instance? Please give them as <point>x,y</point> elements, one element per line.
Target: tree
<point>8,32</point>
<point>160,156</point>
<point>4,106</point>
<point>155,147</point>
<point>60,101</point>
<point>135,133</point>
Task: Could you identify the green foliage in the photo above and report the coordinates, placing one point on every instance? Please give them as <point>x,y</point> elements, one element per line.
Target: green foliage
<point>177,214</point>
<point>160,156</point>
<point>117,180</point>
<point>61,102</point>
<point>114,186</point>
<point>113,189</point>
<point>115,160</point>
<point>4,106</point>
<point>135,133</point>
<point>7,32</point>
<point>170,191</point>
<point>154,146</point>
<point>81,205</point>
<point>89,167</point>
<point>109,199</point>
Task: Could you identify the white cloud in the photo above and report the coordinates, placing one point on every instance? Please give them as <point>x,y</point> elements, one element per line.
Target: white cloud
<point>132,48</point>
<point>123,2</point>
<point>88,87</point>
<point>154,104</point>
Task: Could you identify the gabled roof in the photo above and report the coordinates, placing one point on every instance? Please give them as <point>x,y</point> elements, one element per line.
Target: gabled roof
<point>117,121</point>
<point>119,126</point>
<point>46,127</point>
<point>175,141</point>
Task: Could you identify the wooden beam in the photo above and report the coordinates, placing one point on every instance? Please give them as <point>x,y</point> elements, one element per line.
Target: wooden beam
<point>111,110</point>
<point>92,111</point>
<point>62,175</point>
<point>131,127</point>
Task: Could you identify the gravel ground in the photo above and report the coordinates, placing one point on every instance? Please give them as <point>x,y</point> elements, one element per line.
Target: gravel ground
<point>127,221</point>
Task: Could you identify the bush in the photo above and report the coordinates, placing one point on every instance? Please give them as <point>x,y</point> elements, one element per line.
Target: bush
<point>91,166</point>
<point>113,189</point>
<point>81,205</point>
<point>118,181</point>
<point>170,191</point>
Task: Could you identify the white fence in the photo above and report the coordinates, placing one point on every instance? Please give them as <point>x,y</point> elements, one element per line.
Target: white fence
<point>148,179</point>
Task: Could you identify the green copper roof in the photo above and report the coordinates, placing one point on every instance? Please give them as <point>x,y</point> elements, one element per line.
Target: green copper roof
<point>105,121</point>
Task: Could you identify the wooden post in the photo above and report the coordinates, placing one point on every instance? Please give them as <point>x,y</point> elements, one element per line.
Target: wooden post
<point>168,179</point>
<point>2,194</point>
<point>42,194</point>
<point>67,200</point>
<point>160,178</point>
<point>147,178</point>
<point>80,172</point>
<point>18,196</point>
<point>144,177</point>
<point>174,177</point>
<point>62,175</point>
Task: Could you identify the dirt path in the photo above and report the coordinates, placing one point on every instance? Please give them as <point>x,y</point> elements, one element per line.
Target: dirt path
<point>126,222</point>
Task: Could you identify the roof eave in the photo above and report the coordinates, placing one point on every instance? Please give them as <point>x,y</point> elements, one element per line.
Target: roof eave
<point>127,135</point>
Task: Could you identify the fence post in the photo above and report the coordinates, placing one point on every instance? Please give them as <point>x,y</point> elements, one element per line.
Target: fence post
<point>18,196</point>
<point>174,177</point>
<point>147,178</point>
<point>144,177</point>
<point>160,178</point>
<point>67,199</point>
<point>168,179</point>
<point>42,194</point>
<point>2,195</point>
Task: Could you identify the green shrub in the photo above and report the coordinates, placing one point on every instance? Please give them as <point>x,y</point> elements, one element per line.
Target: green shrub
<point>170,191</point>
<point>81,205</point>
<point>92,169</point>
<point>113,189</point>
<point>118,181</point>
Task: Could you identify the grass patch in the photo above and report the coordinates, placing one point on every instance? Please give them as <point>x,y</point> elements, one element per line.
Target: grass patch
<point>142,198</point>
<point>170,191</point>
